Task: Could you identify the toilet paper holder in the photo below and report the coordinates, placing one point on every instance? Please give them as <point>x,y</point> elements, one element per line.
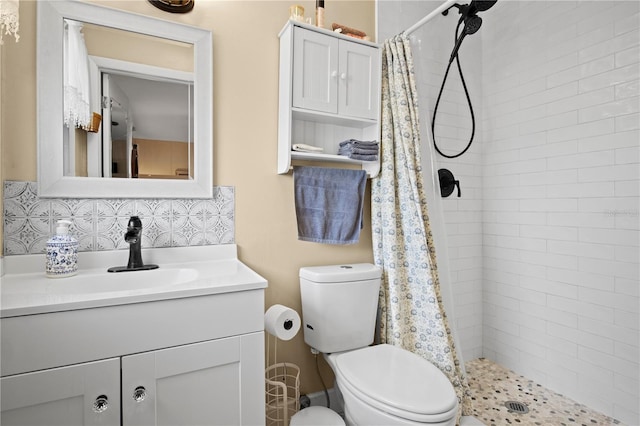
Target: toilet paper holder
<point>282,379</point>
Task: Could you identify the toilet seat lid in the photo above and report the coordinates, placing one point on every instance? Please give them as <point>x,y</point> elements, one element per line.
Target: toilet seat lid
<point>399,382</point>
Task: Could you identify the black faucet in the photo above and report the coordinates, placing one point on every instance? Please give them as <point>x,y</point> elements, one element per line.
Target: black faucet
<point>133,236</point>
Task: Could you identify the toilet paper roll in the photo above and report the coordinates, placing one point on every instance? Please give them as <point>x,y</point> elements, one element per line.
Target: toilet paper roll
<point>282,322</point>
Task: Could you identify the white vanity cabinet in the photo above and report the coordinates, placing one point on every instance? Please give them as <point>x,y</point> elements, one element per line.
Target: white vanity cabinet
<point>83,394</point>
<point>199,384</point>
<point>214,382</point>
<point>179,354</point>
<point>329,91</point>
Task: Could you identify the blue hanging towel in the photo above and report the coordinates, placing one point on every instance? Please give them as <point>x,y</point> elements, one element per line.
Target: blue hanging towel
<point>329,204</point>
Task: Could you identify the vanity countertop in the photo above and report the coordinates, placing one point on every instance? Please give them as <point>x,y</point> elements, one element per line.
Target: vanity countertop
<point>183,272</point>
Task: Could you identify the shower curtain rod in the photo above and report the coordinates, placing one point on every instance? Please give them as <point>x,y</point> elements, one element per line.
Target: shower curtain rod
<point>444,6</point>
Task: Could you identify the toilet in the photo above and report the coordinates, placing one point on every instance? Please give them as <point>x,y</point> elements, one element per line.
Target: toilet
<point>381,384</point>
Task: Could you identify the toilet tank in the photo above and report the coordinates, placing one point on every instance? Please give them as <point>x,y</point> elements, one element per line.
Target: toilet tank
<point>339,305</point>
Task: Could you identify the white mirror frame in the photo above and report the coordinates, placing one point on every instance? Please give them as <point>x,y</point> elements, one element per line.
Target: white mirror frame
<point>51,180</point>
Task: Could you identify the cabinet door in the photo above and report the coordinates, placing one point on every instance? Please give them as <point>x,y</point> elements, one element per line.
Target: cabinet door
<point>83,394</point>
<point>359,80</point>
<point>315,71</point>
<point>219,382</point>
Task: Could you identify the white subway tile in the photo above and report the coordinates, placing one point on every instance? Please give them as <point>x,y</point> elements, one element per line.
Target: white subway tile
<point>549,177</point>
<point>609,173</point>
<point>628,319</point>
<point>620,139</point>
<point>589,159</point>
<point>616,44</point>
<point>625,351</point>
<point>627,90</point>
<point>549,287</point>
<point>501,229</point>
<point>628,21</point>
<point>609,78</point>
<point>628,220</point>
<point>610,109</point>
<point>596,189</point>
<point>612,331</point>
<point>627,384</point>
<point>627,122</point>
<point>582,130</point>
<point>549,205</point>
<point>567,233</point>
<point>583,100</point>
<point>594,35</point>
<point>610,206</point>
<point>608,299</point>
<point>609,236</point>
<point>521,218</point>
<point>628,155</point>
<point>627,57</point>
<point>582,219</point>
<point>625,285</point>
<point>552,260</point>
<point>562,275</point>
<point>549,95</point>
<point>589,250</point>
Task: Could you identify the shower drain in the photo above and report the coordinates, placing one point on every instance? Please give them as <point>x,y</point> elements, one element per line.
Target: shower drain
<point>516,407</point>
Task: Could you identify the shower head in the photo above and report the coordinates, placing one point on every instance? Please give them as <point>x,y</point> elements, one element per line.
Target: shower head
<point>467,10</point>
<point>471,26</point>
<point>481,5</point>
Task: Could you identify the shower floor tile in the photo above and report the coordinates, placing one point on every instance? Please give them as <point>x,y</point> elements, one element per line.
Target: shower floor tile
<point>492,386</point>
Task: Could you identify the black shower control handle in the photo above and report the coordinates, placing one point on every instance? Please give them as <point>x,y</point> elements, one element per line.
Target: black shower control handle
<point>448,183</point>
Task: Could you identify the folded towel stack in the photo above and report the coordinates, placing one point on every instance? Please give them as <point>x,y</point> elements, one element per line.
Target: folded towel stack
<point>359,150</point>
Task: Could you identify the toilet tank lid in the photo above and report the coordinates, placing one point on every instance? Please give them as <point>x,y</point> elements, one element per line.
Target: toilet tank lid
<point>341,273</point>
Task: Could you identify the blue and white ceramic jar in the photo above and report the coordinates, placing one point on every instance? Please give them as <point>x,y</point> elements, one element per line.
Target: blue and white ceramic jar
<point>62,252</point>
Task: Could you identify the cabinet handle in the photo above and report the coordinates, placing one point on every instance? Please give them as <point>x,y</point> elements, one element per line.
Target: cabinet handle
<point>343,76</point>
<point>139,394</point>
<point>101,404</point>
<point>334,74</point>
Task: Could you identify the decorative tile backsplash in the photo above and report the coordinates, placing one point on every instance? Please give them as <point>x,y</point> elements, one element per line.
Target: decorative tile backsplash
<point>100,224</point>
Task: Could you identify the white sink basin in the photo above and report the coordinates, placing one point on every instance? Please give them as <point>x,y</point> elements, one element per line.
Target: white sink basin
<point>183,272</point>
<point>105,282</point>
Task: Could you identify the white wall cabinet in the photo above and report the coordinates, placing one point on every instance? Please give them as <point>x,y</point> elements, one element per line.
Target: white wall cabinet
<point>188,361</point>
<point>329,92</point>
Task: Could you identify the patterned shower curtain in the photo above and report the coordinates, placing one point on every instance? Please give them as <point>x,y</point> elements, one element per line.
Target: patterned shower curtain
<point>412,315</point>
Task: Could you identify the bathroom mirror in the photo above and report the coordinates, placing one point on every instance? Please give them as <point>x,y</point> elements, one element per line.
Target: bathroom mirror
<point>67,165</point>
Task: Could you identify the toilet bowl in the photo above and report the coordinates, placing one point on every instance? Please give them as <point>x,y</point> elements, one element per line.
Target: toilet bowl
<point>381,384</point>
<point>387,385</point>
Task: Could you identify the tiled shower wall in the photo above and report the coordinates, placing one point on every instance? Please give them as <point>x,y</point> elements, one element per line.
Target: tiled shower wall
<point>100,224</point>
<point>561,173</point>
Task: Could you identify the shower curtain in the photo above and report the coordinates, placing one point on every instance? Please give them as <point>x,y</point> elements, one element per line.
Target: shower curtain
<point>412,315</point>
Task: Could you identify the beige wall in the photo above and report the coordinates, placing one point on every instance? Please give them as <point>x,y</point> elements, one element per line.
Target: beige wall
<point>245,82</point>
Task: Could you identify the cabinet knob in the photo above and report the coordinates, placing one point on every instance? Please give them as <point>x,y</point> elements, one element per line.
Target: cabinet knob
<point>101,404</point>
<point>334,74</point>
<point>139,394</point>
<point>343,76</point>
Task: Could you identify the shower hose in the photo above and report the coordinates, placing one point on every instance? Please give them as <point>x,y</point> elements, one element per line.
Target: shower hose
<point>466,92</point>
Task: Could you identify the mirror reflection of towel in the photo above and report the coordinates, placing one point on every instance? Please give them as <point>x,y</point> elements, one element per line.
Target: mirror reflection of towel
<point>329,204</point>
